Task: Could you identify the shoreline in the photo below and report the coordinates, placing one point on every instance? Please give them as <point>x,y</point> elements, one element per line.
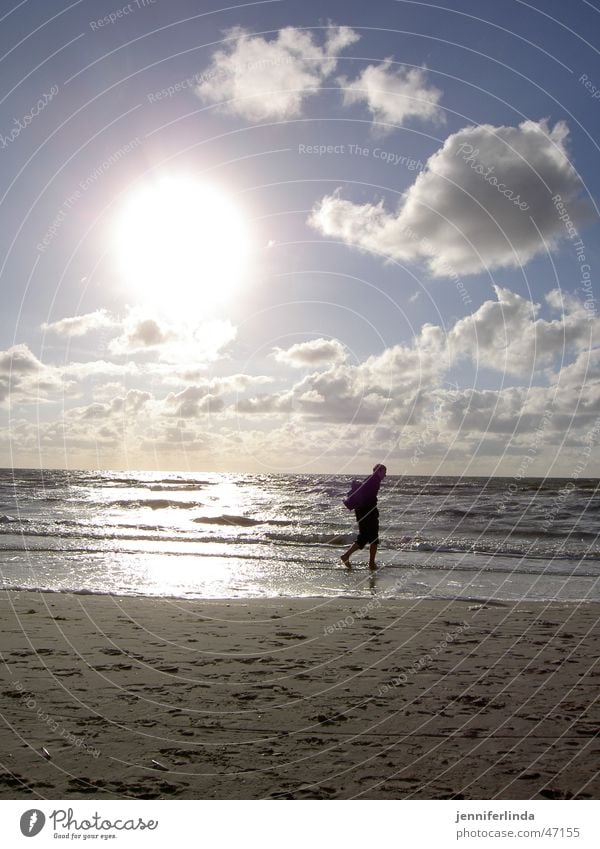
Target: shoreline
<point>329,698</point>
<point>404,599</point>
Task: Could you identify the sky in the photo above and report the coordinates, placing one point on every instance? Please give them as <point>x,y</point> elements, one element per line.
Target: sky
<point>290,236</point>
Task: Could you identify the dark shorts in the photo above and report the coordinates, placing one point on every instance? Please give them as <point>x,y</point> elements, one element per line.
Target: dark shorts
<point>368,529</point>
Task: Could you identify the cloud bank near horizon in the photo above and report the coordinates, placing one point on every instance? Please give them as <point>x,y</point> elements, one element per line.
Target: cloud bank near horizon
<point>400,397</point>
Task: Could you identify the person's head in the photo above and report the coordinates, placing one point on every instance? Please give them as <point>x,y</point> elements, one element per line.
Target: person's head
<point>380,470</point>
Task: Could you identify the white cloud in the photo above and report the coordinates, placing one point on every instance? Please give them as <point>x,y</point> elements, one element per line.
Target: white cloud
<point>95,368</point>
<point>397,399</point>
<point>107,391</point>
<point>24,378</point>
<point>461,215</point>
<point>404,369</point>
<point>338,394</point>
<point>207,396</point>
<point>18,361</point>
<point>394,95</point>
<point>404,384</point>
<point>507,335</point>
<point>520,412</point>
<point>188,342</point>
<point>265,404</point>
<point>129,404</point>
<point>80,325</point>
<point>270,80</point>
<point>585,368</point>
<point>141,334</point>
<point>164,353</point>
<point>312,353</point>
<point>363,393</point>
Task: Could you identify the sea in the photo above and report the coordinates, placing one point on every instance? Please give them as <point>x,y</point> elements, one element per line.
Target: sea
<point>219,536</point>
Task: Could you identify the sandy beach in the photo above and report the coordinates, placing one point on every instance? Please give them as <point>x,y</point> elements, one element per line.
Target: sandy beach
<point>123,697</point>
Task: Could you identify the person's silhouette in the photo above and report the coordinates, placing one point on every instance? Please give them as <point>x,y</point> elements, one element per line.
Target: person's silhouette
<point>364,499</point>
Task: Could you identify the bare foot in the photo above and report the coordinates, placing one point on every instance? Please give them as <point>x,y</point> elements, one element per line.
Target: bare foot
<point>373,565</point>
<point>345,560</point>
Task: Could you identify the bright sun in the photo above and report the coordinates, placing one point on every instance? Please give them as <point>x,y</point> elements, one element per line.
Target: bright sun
<point>181,243</point>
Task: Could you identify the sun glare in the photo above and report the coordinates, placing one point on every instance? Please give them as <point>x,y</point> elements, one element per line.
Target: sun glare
<point>181,243</point>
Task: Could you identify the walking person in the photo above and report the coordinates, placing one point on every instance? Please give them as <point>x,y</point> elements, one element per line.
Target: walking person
<point>363,500</point>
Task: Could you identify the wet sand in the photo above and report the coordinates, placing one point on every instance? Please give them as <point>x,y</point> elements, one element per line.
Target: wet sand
<point>114,697</point>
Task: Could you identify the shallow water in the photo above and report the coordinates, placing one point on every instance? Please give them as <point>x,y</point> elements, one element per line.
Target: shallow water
<point>223,535</point>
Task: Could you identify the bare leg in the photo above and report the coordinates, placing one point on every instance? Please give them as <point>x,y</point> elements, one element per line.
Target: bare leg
<point>345,558</point>
<point>372,555</point>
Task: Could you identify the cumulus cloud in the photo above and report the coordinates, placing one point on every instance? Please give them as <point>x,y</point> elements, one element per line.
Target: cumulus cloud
<point>141,334</point>
<point>265,404</point>
<point>24,378</point>
<point>394,95</point>
<point>313,353</point>
<point>508,336</point>
<point>585,368</point>
<point>483,201</point>
<point>517,412</point>
<point>195,400</point>
<point>405,384</point>
<point>404,369</point>
<point>362,393</point>
<point>18,361</point>
<point>398,399</point>
<point>154,349</point>
<point>207,396</point>
<point>187,342</point>
<point>265,80</point>
<point>97,368</point>
<point>80,325</point>
<point>340,395</point>
<point>129,404</point>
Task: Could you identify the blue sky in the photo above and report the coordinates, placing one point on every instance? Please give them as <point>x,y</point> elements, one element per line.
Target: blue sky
<point>300,236</point>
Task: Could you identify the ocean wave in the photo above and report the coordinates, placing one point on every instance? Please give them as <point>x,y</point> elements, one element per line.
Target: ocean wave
<point>190,481</point>
<point>75,591</point>
<point>183,487</point>
<point>312,539</point>
<point>108,482</point>
<point>62,530</point>
<point>102,534</point>
<point>549,570</point>
<point>242,521</point>
<point>468,546</point>
<point>154,504</point>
